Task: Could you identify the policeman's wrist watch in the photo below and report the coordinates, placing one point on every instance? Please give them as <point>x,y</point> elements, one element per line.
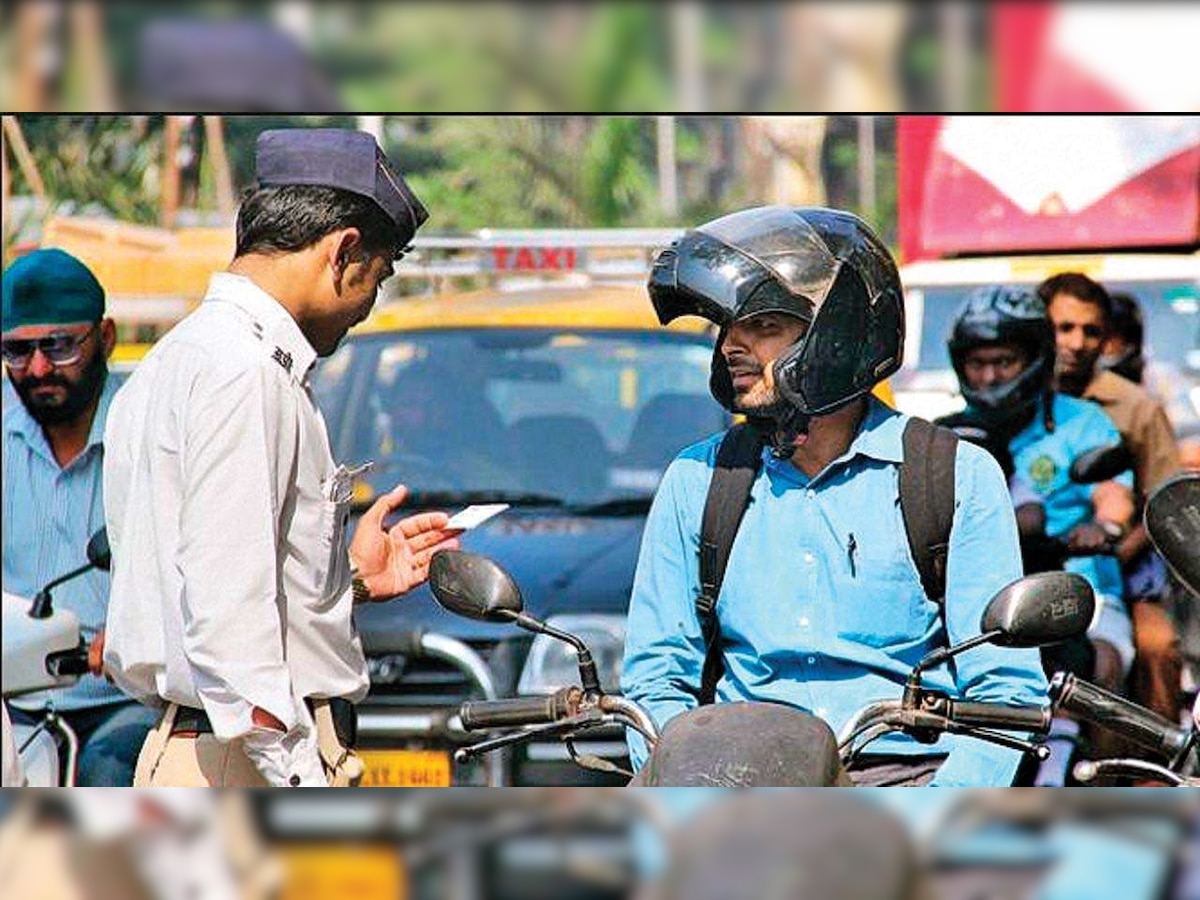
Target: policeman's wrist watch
<point>358,587</point>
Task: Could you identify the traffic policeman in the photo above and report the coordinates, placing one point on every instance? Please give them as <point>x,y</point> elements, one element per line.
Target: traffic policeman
<point>233,585</point>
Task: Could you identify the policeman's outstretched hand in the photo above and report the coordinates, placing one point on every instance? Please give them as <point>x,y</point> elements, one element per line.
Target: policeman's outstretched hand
<point>395,560</point>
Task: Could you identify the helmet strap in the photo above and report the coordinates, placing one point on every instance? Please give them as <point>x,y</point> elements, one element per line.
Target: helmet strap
<point>1048,408</point>
<point>779,427</point>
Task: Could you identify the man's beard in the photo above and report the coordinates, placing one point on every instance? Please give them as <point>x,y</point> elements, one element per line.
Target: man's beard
<point>78,396</point>
<point>778,422</point>
<point>761,402</point>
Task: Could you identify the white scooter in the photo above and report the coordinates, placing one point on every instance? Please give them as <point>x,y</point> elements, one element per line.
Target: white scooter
<point>43,649</point>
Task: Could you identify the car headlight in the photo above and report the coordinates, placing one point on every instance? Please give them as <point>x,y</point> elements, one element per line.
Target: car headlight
<point>553,664</point>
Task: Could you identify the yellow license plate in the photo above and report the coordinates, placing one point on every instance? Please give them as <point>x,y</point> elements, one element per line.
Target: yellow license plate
<point>338,870</point>
<point>406,768</point>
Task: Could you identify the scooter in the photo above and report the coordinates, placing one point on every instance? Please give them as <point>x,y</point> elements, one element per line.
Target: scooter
<point>43,649</point>
<point>1035,611</point>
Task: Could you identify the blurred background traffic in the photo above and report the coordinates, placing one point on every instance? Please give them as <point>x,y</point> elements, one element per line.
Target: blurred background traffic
<point>602,845</point>
<point>682,56</point>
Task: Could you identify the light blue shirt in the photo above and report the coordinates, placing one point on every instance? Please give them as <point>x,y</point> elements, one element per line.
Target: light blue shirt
<point>50,513</point>
<point>808,623</point>
<point>1042,461</point>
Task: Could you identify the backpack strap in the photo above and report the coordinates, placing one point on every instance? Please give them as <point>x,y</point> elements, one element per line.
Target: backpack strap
<point>739,459</point>
<point>927,500</point>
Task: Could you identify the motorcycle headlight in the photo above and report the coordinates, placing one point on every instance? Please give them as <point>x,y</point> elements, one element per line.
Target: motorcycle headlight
<point>552,664</point>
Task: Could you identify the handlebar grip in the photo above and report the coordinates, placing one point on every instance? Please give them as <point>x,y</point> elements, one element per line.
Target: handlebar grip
<point>484,715</point>
<point>72,662</point>
<point>1005,718</point>
<point>1093,704</point>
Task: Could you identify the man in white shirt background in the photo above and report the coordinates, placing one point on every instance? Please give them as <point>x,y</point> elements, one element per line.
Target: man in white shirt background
<point>233,588</point>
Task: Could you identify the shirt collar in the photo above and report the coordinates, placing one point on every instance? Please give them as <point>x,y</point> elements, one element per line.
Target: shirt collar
<point>880,436</point>
<point>96,434</point>
<point>284,340</point>
<point>1105,388</point>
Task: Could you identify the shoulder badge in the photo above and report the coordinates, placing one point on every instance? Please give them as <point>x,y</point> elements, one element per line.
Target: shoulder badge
<point>284,359</point>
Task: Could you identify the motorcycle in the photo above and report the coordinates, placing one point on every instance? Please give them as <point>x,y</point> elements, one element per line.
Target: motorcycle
<point>43,649</point>
<point>1172,520</point>
<point>1034,611</point>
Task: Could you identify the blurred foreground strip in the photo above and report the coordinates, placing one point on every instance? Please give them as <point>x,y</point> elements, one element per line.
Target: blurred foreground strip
<point>601,844</point>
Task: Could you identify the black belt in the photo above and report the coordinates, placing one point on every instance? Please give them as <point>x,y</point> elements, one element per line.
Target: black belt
<point>189,720</point>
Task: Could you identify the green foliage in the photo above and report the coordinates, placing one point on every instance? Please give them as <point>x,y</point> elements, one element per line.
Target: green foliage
<point>110,165</point>
<point>471,171</point>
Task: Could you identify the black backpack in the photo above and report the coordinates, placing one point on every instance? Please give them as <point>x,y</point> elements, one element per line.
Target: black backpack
<point>926,502</point>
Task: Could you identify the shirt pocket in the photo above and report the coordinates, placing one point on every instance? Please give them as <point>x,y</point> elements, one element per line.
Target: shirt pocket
<point>332,558</point>
<point>880,603</point>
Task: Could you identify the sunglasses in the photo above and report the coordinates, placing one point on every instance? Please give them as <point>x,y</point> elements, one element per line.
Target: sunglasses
<point>59,349</point>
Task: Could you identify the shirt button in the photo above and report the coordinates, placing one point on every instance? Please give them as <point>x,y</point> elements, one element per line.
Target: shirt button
<point>809,558</point>
<point>812,660</point>
<point>810,493</point>
<point>822,711</point>
<point>804,621</point>
<point>294,781</point>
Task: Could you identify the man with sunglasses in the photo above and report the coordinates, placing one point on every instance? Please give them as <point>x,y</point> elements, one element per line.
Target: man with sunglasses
<point>55,344</point>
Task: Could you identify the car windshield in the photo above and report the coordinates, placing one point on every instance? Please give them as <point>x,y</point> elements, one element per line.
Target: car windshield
<point>1170,309</point>
<point>540,415</point>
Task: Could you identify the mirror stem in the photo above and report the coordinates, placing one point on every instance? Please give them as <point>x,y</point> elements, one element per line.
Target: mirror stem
<point>942,654</point>
<point>589,679</point>
<point>42,606</point>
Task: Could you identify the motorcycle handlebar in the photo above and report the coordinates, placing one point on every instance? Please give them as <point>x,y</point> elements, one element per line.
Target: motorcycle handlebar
<point>72,662</point>
<point>485,715</point>
<point>1147,729</point>
<point>1004,718</point>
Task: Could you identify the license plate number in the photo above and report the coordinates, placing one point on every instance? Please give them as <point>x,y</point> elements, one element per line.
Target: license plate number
<point>406,768</point>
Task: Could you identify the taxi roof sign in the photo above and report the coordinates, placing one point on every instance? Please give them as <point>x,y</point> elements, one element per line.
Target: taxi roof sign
<point>594,255</point>
<point>534,259</point>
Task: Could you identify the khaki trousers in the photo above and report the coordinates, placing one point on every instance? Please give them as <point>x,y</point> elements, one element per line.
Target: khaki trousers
<point>202,760</point>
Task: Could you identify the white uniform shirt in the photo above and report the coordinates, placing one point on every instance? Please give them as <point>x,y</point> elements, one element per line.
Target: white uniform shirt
<point>230,570</point>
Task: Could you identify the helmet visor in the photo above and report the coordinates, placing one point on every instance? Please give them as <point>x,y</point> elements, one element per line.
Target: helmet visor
<point>784,244</point>
<point>754,261</point>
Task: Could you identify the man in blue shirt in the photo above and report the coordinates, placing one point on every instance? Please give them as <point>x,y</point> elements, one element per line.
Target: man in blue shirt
<point>1003,350</point>
<point>56,343</point>
<point>1002,347</point>
<point>821,607</point>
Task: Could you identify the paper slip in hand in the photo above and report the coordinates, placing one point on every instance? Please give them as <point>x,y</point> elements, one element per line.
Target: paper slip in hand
<point>474,515</point>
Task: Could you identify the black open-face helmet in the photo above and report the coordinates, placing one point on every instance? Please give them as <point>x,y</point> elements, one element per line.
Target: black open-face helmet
<point>1001,314</point>
<point>824,266</point>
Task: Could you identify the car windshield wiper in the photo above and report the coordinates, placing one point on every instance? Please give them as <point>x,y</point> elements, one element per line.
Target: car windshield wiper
<point>622,506</point>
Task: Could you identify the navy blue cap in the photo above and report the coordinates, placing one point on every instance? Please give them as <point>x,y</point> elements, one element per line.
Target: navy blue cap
<point>227,66</point>
<point>339,158</point>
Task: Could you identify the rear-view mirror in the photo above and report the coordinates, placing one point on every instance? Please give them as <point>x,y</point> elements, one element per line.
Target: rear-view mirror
<point>1039,610</point>
<point>471,585</point>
